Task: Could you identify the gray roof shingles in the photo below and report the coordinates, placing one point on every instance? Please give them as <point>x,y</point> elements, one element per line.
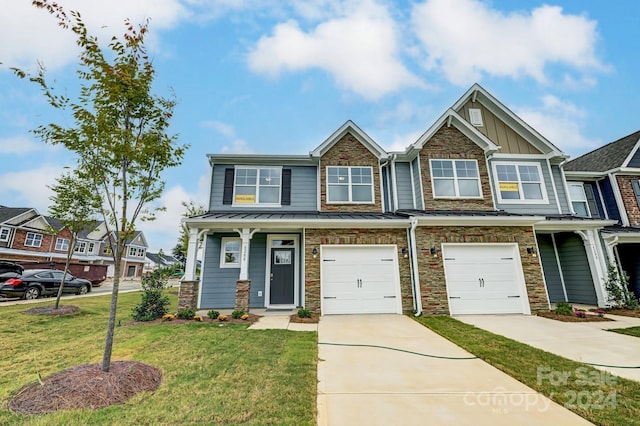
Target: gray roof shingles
<point>608,157</point>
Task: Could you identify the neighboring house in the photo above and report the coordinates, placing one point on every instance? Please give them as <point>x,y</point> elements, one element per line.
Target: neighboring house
<point>159,260</point>
<point>605,183</point>
<point>134,256</point>
<point>448,226</point>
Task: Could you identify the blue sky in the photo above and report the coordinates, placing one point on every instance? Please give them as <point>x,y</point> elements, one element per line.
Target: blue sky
<point>279,76</point>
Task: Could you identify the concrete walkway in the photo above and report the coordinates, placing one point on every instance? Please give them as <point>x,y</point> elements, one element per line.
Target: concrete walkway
<point>375,386</point>
<point>587,342</point>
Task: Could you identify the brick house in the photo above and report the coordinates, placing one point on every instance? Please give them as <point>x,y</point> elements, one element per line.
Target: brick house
<point>448,226</point>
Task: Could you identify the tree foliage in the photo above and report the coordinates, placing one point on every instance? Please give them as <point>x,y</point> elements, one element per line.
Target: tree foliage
<point>154,303</point>
<point>617,287</point>
<point>180,249</point>
<point>119,131</point>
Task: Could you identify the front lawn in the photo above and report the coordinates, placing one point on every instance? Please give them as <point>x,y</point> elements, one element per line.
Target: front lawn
<point>593,394</point>
<point>631,331</point>
<point>212,373</point>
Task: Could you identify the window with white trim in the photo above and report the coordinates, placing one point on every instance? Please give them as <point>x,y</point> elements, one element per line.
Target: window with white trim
<point>579,199</point>
<point>230,252</point>
<point>62,244</point>
<point>257,185</point>
<point>519,183</point>
<point>5,233</point>
<point>455,179</point>
<point>33,240</point>
<point>81,247</point>
<point>349,184</point>
<point>136,252</point>
<point>91,248</point>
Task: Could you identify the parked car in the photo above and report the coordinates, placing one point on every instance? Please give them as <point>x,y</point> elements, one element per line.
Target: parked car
<point>34,283</point>
<point>10,267</point>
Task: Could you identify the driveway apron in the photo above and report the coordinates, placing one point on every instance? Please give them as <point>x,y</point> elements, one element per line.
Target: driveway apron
<point>393,382</point>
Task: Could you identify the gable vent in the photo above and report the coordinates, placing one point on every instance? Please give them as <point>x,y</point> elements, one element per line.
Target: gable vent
<point>475,117</point>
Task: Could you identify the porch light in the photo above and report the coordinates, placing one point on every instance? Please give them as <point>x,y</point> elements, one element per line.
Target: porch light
<point>314,252</point>
<point>434,251</point>
<point>405,252</point>
<point>531,251</point>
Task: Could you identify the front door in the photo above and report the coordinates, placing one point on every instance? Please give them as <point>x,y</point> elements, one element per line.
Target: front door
<point>281,290</point>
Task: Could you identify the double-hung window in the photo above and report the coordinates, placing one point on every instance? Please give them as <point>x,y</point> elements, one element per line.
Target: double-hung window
<point>257,185</point>
<point>81,247</point>
<point>33,240</point>
<point>455,178</point>
<point>62,244</point>
<point>519,182</point>
<point>230,253</point>
<point>4,234</point>
<point>349,185</point>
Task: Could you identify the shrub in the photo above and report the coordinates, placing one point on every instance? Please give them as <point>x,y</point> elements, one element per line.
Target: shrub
<point>582,313</point>
<point>154,303</point>
<point>213,314</point>
<point>237,314</point>
<point>186,313</point>
<point>304,313</point>
<point>618,292</point>
<point>564,308</point>
<point>168,317</point>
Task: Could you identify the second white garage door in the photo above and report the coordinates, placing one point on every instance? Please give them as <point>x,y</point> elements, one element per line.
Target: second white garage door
<point>484,279</point>
<point>359,279</point>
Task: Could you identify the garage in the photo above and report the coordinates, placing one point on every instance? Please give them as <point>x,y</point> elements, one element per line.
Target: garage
<point>484,279</point>
<point>359,279</point>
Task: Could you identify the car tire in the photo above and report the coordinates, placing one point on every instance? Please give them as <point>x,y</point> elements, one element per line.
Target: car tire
<point>83,289</point>
<point>32,293</point>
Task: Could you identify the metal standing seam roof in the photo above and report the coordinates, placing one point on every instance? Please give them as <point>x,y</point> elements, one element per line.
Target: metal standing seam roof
<point>605,158</point>
<point>262,216</point>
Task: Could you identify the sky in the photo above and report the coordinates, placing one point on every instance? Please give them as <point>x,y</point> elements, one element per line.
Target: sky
<point>279,76</point>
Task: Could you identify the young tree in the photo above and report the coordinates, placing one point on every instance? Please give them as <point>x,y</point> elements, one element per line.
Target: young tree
<point>75,206</point>
<point>119,132</point>
<point>180,249</point>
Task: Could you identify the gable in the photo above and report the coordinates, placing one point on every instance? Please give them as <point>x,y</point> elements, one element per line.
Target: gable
<point>39,223</point>
<point>497,130</point>
<point>350,128</point>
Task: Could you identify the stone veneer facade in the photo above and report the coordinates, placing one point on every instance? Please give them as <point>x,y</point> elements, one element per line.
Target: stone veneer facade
<point>629,198</point>
<point>449,143</point>
<point>314,238</point>
<point>348,151</point>
<point>188,295</point>
<point>431,269</point>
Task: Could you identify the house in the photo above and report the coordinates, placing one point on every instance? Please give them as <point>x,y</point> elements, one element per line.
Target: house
<point>134,256</point>
<point>451,225</point>
<point>158,260</point>
<point>605,183</point>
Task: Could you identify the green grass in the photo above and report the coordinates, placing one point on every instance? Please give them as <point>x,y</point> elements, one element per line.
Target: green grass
<point>631,331</point>
<point>598,397</point>
<point>212,374</point>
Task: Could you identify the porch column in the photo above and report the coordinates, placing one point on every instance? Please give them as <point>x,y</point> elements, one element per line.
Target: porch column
<point>192,253</point>
<point>245,235</point>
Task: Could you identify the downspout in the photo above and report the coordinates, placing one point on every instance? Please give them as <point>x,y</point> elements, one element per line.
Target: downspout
<point>417,296</point>
<point>394,185</point>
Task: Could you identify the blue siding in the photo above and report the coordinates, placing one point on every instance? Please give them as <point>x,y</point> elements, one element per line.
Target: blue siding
<point>609,199</point>
<point>403,186</point>
<point>575,269</point>
<point>550,268</point>
<point>304,190</point>
<point>537,209</point>
<point>257,271</point>
<point>560,188</point>
<point>417,189</point>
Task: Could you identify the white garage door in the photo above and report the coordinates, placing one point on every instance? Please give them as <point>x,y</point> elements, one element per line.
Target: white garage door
<point>484,279</point>
<point>359,279</point>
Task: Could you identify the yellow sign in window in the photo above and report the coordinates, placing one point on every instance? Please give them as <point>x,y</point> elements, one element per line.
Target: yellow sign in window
<point>508,187</point>
<point>245,199</point>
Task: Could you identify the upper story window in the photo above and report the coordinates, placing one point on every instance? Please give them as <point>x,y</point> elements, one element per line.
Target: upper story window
<point>33,240</point>
<point>579,199</point>
<point>81,247</point>
<point>91,248</point>
<point>5,233</point>
<point>136,252</point>
<point>519,183</point>
<point>62,244</point>
<point>455,178</point>
<point>230,253</point>
<point>349,185</point>
<point>257,185</point>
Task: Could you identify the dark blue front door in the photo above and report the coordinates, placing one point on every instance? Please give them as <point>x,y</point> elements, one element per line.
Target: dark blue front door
<point>282,276</point>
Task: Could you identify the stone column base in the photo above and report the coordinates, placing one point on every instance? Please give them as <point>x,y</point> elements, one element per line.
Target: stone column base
<point>243,290</point>
<point>188,295</point>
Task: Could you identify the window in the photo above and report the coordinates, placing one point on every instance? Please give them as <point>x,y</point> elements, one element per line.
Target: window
<point>455,178</point>
<point>33,240</point>
<point>91,248</point>
<point>519,183</point>
<point>140,252</point>
<point>349,185</point>
<point>136,252</point>
<point>62,244</point>
<point>257,185</point>
<point>475,117</point>
<point>579,200</point>
<point>230,253</point>
<point>106,249</point>
<point>81,247</point>
<point>4,234</point>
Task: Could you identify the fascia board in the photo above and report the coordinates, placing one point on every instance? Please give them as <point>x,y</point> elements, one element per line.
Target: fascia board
<point>299,223</point>
<point>622,237</point>
<point>250,159</point>
<point>478,220</point>
<point>348,126</point>
<point>585,174</point>
<point>576,225</point>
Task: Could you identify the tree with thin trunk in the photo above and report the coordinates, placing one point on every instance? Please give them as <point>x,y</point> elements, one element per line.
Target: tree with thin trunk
<point>75,206</point>
<point>119,133</point>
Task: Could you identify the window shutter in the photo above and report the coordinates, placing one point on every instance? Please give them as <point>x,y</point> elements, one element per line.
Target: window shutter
<point>227,196</point>
<point>286,187</point>
<point>591,200</point>
<point>636,190</point>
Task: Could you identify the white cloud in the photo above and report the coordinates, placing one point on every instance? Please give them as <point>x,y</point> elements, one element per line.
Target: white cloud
<point>401,142</point>
<point>359,48</point>
<point>561,123</point>
<point>467,39</point>
<point>234,144</point>
<point>21,146</point>
<point>28,188</point>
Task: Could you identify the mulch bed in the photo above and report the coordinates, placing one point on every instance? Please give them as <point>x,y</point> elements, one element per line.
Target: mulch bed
<point>313,320</point>
<point>205,319</point>
<point>48,310</point>
<point>625,312</point>
<point>86,386</point>
<point>573,318</point>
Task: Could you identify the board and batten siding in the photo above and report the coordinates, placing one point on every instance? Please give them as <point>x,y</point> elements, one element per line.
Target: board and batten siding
<point>403,186</point>
<point>304,190</point>
<point>549,207</point>
<point>417,189</point>
<point>219,284</point>
<point>565,202</point>
<point>550,268</point>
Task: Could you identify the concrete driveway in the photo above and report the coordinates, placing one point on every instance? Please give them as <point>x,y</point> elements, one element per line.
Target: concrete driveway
<point>587,342</point>
<point>371,385</point>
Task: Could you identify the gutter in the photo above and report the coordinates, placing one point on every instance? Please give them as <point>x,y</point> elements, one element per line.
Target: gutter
<point>417,297</point>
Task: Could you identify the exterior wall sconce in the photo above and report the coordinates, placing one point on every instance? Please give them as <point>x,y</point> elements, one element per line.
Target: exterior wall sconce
<point>405,252</point>
<point>531,251</point>
<point>434,251</point>
<point>314,252</point>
